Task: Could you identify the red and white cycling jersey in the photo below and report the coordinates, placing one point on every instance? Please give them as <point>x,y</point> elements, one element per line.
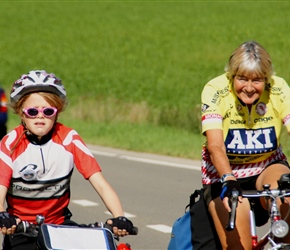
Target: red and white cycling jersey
<point>38,175</point>
<point>252,139</point>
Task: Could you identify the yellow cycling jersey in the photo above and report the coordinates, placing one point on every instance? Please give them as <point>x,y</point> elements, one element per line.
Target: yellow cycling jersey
<point>252,137</point>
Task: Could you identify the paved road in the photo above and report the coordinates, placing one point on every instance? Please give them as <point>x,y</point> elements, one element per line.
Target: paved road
<point>153,189</point>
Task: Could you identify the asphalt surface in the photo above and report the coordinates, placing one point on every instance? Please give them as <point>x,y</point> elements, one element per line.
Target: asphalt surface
<point>153,189</point>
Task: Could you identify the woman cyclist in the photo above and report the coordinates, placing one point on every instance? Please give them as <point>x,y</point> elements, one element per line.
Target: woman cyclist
<point>243,111</point>
<point>37,159</point>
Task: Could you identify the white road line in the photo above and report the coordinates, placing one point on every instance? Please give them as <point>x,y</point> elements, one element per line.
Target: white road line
<point>85,203</point>
<point>146,160</point>
<point>164,163</point>
<point>160,228</point>
<point>103,153</point>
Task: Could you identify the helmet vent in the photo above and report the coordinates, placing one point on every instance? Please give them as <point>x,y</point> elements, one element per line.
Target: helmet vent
<point>46,78</point>
<point>30,78</point>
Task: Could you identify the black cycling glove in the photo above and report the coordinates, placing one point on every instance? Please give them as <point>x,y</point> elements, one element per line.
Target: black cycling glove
<point>7,220</point>
<point>228,187</point>
<point>122,222</point>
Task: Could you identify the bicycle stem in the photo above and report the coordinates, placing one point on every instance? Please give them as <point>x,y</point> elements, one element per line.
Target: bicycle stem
<point>275,214</point>
<point>253,228</point>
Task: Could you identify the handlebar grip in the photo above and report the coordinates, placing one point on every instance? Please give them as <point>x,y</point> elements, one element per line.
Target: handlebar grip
<point>134,230</point>
<point>232,215</point>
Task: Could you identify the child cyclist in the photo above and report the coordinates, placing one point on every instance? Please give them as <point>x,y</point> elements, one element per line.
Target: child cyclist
<point>37,160</point>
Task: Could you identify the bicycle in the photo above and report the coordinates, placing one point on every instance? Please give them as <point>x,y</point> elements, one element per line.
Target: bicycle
<point>79,236</point>
<point>278,226</point>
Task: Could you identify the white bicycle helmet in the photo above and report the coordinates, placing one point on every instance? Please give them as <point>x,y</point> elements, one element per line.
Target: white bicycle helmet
<point>34,81</point>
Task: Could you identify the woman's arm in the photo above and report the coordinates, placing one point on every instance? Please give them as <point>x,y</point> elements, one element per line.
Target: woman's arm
<point>217,151</point>
<point>218,156</point>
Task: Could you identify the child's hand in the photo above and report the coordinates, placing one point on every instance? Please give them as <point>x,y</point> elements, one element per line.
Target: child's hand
<point>121,225</point>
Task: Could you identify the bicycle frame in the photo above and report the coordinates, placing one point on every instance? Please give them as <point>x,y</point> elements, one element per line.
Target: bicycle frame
<point>278,229</point>
<point>259,244</point>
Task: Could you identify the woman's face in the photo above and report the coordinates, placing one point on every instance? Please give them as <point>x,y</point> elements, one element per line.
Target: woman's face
<point>249,89</point>
<point>39,125</point>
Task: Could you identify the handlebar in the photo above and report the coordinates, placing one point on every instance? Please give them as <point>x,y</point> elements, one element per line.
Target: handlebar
<point>32,229</point>
<point>134,230</point>
<point>27,228</point>
<point>267,192</point>
<point>272,193</point>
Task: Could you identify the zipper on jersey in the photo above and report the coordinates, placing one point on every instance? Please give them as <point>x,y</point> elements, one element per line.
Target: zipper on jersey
<point>249,115</point>
<point>42,158</point>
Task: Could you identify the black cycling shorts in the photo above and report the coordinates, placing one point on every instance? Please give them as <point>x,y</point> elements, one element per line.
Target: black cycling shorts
<point>212,191</point>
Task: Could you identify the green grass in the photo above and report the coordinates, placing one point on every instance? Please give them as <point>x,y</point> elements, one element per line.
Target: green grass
<point>134,70</point>
<point>135,137</point>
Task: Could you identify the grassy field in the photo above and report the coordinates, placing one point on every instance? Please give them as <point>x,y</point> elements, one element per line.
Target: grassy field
<point>134,70</point>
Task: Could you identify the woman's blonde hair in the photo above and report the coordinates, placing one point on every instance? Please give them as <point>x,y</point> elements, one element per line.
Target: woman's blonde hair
<point>250,58</point>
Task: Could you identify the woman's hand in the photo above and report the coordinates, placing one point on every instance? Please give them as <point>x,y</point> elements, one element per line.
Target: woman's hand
<point>227,188</point>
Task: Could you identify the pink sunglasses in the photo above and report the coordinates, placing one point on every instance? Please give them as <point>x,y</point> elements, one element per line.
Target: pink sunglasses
<point>33,112</point>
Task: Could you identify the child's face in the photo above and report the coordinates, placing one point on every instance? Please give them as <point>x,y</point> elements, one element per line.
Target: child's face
<point>40,125</point>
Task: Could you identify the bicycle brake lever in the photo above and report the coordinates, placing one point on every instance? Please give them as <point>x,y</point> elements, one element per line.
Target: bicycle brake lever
<point>233,202</point>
